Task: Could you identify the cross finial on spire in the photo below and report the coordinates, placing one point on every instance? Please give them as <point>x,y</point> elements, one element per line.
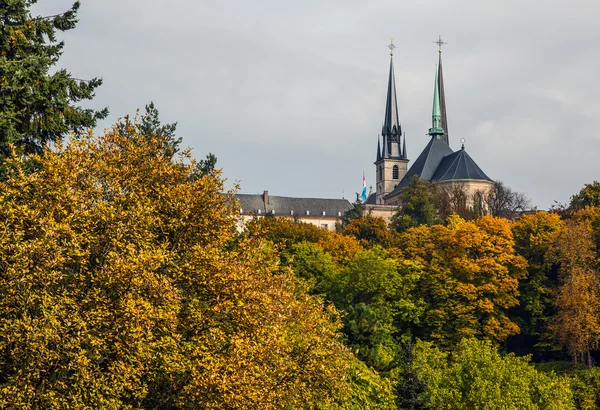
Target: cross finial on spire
<point>391,46</point>
<point>440,43</point>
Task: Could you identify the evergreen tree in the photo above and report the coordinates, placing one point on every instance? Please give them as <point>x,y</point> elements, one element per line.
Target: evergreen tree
<point>356,212</point>
<point>411,390</point>
<point>37,107</point>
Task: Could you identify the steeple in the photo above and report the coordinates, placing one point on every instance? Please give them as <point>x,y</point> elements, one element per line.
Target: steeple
<point>391,131</point>
<point>391,164</point>
<point>436,116</point>
<point>391,123</point>
<point>442,94</point>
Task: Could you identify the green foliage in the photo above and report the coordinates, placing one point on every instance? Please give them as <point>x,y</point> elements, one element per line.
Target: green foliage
<point>585,384</point>
<point>376,294</point>
<point>206,166</point>
<point>418,201</point>
<point>149,126</point>
<point>534,235</point>
<point>411,390</point>
<point>476,376</point>
<point>310,262</point>
<point>588,196</point>
<point>37,107</point>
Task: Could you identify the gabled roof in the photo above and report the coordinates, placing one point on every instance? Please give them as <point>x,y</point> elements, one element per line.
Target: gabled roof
<point>427,163</point>
<point>283,205</point>
<point>371,200</point>
<point>459,165</point>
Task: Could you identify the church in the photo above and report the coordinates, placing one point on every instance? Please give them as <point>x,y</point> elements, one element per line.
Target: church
<point>452,171</point>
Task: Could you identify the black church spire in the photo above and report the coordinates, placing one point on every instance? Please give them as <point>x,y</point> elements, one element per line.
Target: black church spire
<point>391,131</point>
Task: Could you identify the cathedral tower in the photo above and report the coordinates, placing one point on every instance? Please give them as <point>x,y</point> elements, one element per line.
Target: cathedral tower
<point>391,162</point>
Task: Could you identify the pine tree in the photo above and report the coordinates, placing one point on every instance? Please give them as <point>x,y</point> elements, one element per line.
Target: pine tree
<point>37,107</point>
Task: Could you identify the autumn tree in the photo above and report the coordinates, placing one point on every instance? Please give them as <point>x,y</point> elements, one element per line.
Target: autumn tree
<point>369,230</point>
<point>589,215</point>
<point>284,231</point>
<point>576,324</point>
<point>38,104</point>
<point>123,285</point>
<point>470,278</point>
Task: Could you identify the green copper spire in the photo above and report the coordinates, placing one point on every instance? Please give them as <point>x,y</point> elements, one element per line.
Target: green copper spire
<point>436,115</point>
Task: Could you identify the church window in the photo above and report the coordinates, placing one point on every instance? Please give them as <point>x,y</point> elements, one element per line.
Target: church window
<point>380,173</point>
<point>395,172</point>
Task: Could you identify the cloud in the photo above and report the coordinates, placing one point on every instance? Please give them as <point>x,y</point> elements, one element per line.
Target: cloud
<point>290,95</point>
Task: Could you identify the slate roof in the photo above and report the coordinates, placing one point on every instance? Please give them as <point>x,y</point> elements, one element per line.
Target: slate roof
<point>438,162</point>
<point>459,165</point>
<point>371,200</point>
<point>283,205</point>
<point>427,163</point>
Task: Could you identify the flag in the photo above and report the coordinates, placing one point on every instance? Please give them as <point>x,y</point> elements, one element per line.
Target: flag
<point>364,190</point>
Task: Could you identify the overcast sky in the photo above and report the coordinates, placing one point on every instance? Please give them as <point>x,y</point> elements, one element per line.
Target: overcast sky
<point>290,95</point>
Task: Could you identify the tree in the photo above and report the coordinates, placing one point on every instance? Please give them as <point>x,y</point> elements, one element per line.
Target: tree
<point>535,235</point>
<point>37,107</point>
<point>503,202</point>
<point>368,230</point>
<point>417,205</point>
<point>577,321</point>
<point>470,278</point>
<point>411,390</point>
<point>149,126</point>
<point>588,196</point>
<point>123,284</point>
<point>284,231</point>
<point>377,294</point>
<point>475,376</point>
<point>356,212</point>
<point>452,199</point>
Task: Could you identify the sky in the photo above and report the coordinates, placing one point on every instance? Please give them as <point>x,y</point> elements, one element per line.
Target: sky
<point>290,96</point>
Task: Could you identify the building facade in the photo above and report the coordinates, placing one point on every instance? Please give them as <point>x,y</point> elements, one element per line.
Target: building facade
<point>322,212</point>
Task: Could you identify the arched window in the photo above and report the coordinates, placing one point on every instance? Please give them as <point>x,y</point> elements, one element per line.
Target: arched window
<point>380,173</point>
<point>395,172</point>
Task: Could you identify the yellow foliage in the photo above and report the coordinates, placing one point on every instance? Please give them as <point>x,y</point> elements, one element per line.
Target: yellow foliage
<point>122,286</point>
<point>470,280</point>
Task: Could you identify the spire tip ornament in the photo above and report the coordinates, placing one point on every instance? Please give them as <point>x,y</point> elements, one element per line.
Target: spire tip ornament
<point>440,43</point>
<point>391,46</point>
